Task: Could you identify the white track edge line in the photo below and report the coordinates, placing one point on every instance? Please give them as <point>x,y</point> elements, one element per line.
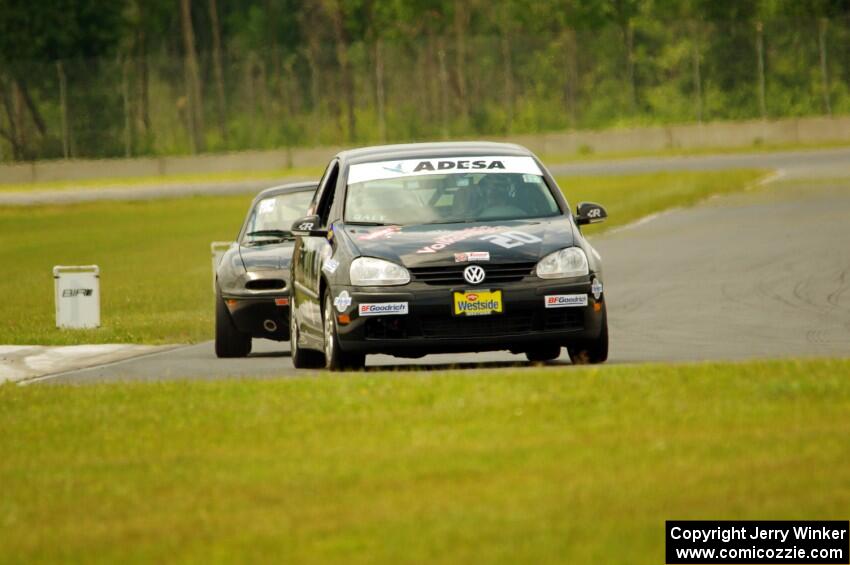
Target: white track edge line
<point>166,349</point>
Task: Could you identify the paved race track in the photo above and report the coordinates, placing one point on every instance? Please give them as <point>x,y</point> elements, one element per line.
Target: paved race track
<point>761,274</point>
<point>826,162</point>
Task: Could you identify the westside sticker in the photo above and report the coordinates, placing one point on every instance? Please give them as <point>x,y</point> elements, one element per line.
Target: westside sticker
<point>383,309</point>
<point>472,256</point>
<point>565,300</point>
<point>342,301</point>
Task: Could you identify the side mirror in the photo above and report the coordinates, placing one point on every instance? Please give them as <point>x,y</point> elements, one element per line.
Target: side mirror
<point>590,213</point>
<point>308,225</point>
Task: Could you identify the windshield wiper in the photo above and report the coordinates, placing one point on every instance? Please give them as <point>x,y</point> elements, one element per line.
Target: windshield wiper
<point>270,233</point>
<point>366,224</point>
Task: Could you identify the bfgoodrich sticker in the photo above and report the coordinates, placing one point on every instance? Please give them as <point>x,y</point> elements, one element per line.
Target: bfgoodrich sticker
<point>565,300</point>
<point>383,309</point>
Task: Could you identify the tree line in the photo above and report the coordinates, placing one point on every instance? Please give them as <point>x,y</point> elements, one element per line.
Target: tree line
<point>87,78</point>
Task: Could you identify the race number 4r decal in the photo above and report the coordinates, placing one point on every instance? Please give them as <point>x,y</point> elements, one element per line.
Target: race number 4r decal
<point>510,239</point>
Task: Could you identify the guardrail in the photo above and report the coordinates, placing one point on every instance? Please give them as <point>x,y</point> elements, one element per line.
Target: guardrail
<point>654,138</point>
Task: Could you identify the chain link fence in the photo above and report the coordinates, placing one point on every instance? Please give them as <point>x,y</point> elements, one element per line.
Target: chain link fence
<point>435,87</point>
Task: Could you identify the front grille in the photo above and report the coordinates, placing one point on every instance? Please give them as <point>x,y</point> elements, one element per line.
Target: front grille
<point>391,327</point>
<point>476,326</point>
<point>453,274</point>
<point>500,325</point>
<point>563,319</point>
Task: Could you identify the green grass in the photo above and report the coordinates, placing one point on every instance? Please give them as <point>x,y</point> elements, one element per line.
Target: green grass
<point>566,464</point>
<point>273,175</point>
<point>155,260</point>
<point>154,256</point>
<point>631,197</point>
<point>590,155</point>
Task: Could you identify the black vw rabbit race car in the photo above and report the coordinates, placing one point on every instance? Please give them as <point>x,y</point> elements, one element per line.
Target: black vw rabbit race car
<point>444,247</point>
<point>252,279</point>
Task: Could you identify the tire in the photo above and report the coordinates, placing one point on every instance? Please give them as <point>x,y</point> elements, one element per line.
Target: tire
<point>543,353</point>
<point>301,358</point>
<point>229,341</point>
<point>592,351</point>
<point>335,358</point>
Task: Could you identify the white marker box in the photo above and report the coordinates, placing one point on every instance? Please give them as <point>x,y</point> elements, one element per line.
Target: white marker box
<point>77,296</point>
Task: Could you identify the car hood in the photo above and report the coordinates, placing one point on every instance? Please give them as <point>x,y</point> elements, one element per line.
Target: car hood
<point>512,241</point>
<point>266,257</point>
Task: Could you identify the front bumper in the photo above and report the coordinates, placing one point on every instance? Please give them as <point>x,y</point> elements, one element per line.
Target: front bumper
<point>431,327</point>
<point>260,316</point>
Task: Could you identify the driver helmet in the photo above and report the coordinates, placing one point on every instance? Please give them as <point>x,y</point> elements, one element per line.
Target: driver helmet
<point>494,189</point>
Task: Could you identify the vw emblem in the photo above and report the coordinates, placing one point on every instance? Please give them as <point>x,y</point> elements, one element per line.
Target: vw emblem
<point>473,274</point>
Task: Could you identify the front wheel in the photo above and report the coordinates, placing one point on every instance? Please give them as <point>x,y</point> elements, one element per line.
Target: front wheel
<point>335,358</point>
<point>229,341</point>
<point>591,351</point>
<point>301,358</point>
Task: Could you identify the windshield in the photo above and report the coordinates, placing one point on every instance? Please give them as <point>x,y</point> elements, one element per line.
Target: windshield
<point>272,217</point>
<point>433,192</point>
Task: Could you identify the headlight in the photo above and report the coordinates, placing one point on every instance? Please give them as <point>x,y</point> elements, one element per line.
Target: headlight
<point>569,262</point>
<point>368,271</point>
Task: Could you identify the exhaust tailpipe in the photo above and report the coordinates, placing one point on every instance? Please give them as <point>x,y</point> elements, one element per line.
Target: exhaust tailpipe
<point>270,326</point>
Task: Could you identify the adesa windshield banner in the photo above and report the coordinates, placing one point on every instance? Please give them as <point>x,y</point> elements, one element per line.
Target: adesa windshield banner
<point>381,170</point>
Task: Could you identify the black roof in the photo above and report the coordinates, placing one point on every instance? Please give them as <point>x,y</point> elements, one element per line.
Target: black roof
<point>431,150</point>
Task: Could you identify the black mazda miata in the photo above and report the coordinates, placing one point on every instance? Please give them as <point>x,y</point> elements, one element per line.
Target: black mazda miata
<point>252,278</point>
<point>444,247</point>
